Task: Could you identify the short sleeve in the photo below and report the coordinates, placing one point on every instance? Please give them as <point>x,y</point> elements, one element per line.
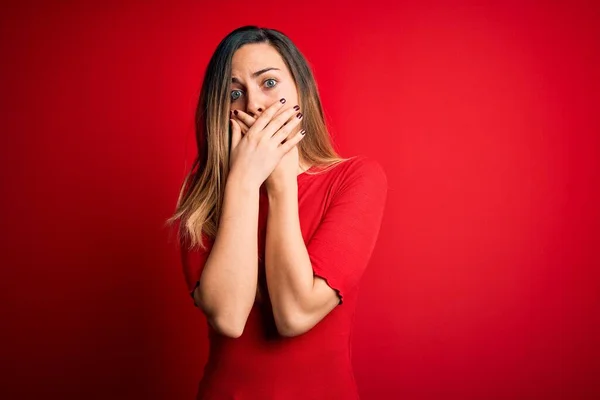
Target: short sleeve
<point>192,262</point>
<point>342,245</point>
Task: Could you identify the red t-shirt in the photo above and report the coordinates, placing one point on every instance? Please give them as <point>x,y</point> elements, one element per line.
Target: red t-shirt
<point>340,213</point>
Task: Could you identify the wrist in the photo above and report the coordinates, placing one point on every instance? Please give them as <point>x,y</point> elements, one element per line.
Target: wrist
<point>239,182</point>
<point>283,192</point>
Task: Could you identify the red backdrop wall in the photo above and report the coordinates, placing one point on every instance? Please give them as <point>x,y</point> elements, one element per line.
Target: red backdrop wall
<point>485,282</point>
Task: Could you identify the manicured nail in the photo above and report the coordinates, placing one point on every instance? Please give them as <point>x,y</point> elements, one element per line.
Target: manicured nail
<point>236,112</point>
<point>299,115</point>
<point>303,132</point>
<point>260,109</point>
<point>296,108</point>
<point>282,101</point>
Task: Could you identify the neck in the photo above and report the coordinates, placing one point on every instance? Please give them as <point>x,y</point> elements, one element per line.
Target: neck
<point>303,166</point>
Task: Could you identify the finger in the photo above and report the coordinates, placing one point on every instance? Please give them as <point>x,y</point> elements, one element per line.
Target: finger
<point>277,123</point>
<point>284,109</point>
<point>287,146</point>
<point>236,133</point>
<point>297,108</point>
<point>266,117</point>
<point>294,118</point>
<point>246,119</point>
<point>242,125</point>
<point>286,131</point>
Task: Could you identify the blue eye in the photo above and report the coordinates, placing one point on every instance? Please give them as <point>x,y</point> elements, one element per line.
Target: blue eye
<point>270,83</point>
<point>236,94</point>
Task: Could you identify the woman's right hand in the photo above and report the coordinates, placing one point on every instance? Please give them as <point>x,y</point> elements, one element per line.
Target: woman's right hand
<point>256,154</point>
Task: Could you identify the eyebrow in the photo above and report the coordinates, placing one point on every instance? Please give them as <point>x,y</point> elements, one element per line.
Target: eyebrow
<point>257,73</point>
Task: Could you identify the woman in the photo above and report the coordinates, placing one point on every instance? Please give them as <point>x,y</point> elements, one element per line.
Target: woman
<point>275,228</point>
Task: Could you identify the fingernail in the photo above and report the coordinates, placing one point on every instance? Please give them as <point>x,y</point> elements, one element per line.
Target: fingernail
<point>299,115</point>
<point>260,109</point>
<point>236,112</point>
<point>282,101</point>
<point>296,108</point>
<point>303,132</point>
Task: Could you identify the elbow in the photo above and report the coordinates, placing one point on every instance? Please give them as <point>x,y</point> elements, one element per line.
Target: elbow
<point>290,332</point>
<point>230,324</point>
<point>227,326</point>
<point>293,324</point>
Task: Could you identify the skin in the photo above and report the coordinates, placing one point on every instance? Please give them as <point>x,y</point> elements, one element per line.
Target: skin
<point>228,284</point>
<point>299,299</point>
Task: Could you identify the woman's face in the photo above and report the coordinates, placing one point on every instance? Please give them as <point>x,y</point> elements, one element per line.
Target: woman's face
<point>259,78</point>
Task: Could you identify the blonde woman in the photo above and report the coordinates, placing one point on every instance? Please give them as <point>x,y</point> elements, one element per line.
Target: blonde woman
<point>275,227</point>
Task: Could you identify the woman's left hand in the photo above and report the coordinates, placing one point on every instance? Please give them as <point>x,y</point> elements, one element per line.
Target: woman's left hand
<point>286,171</point>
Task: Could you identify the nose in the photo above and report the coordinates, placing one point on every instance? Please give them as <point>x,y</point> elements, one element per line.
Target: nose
<point>256,103</point>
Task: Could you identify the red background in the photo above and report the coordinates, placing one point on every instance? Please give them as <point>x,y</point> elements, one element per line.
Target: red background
<point>485,281</point>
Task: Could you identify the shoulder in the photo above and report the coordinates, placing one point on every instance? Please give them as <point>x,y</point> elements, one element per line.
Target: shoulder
<point>365,165</point>
<point>358,178</point>
<point>362,171</point>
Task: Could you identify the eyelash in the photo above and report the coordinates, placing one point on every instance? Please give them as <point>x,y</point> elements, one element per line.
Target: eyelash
<point>265,81</point>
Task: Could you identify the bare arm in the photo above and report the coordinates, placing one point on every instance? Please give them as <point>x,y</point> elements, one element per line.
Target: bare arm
<point>306,282</point>
<point>227,287</point>
<point>299,299</point>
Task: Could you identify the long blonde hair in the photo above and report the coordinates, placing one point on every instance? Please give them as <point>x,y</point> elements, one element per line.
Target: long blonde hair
<point>200,199</point>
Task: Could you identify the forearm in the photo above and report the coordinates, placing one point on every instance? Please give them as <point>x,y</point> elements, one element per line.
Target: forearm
<point>288,268</point>
<point>228,283</point>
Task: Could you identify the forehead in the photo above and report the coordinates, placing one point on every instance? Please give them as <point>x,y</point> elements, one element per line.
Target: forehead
<point>254,57</point>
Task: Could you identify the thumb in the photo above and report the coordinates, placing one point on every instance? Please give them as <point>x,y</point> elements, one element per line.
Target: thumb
<point>236,133</point>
